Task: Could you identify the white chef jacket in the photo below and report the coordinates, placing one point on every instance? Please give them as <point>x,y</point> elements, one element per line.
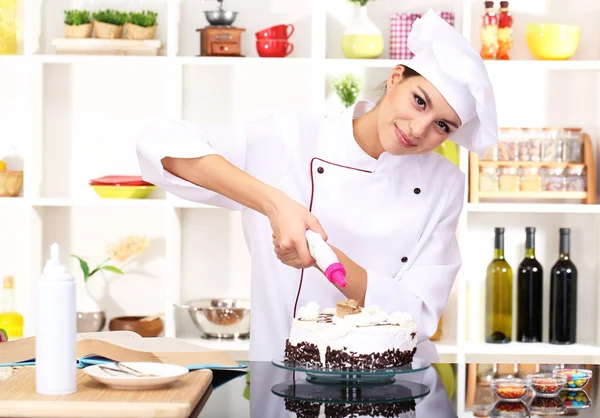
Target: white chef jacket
<point>395,216</point>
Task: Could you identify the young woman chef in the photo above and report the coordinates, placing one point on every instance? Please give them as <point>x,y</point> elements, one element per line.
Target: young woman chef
<point>365,180</point>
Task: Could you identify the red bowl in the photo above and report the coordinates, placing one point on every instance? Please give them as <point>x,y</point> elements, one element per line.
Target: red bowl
<point>119,180</point>
<point>276,32</point>
<point>274,48</point>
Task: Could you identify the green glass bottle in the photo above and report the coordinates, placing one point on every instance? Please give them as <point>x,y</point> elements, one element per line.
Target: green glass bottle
<point>498,286</point>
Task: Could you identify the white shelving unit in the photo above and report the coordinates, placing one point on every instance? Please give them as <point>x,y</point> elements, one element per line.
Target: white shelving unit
<point>65,119</point>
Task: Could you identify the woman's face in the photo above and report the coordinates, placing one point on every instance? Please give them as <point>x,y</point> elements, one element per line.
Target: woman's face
<point>414,117</point>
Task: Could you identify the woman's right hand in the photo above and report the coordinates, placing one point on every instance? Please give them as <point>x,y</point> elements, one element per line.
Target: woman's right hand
<point>289,221</point>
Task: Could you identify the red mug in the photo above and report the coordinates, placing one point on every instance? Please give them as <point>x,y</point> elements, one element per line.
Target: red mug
<point>276,32</point>
<point>274,47</point>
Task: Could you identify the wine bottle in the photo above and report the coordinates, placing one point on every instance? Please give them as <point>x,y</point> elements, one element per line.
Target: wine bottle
<point>530,286</point>
<point>563,295</point>
<point>498,283</point>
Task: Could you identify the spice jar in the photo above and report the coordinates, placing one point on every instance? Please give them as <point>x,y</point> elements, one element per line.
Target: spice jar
<point>552,145</point>
<point>489,32</point>
<point>572,145</point>
<point>491,153</point>
<point>508,145</point>
<point>531,180</point>
<point>509,179</point>
<point>530,147</point>
<point>554,180</point>
<point>488,179</point>
<point>576,179</point>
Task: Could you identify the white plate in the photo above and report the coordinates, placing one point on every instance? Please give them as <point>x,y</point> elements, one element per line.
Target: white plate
<point>165,374</point>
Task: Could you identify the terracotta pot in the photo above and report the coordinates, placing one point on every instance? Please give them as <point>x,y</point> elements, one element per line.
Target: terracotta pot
<point>133,323</point>
<point>108,31</point>
<point>140,32</point>
<point>79,31</point>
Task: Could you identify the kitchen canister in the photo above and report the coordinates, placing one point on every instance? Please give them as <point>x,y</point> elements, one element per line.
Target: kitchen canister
<point>400,27</point>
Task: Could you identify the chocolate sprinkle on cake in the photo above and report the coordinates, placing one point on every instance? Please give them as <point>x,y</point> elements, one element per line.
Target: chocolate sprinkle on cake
<point>305,409</point>
<point>337,359</point>
<point>303,353</point>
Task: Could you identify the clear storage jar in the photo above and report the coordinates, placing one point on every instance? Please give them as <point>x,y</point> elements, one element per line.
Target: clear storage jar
<point>508,145</point>
<point>572,145</point>
<point>490,154</point>
<point>509,179</point>
<point>554,180</point>
<point>530,147</point>
<point>552,145</point>
<point>488,179</point>
<point>576,179</point>
<point>530,179</point>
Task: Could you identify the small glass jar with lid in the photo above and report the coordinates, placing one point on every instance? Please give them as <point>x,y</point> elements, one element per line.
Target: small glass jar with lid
<point>488,179</point>
<point>554,180</point>
<point>508,144</point>
<point>508,180</point>
<point>530,146</point>
<point>530,179</point>
<point>572,145</point>
<point>490,154</point>
<point>552,145</point>
<point>576,179</point>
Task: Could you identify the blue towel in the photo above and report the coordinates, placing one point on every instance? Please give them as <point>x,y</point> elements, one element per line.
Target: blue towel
<point>221,374</point>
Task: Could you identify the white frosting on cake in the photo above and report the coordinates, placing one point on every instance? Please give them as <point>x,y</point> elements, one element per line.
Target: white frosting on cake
<point>369,331</point>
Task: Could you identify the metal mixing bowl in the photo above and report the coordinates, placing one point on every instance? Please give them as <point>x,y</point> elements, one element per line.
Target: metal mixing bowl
<point>220,17</point>
<point>220,318</point>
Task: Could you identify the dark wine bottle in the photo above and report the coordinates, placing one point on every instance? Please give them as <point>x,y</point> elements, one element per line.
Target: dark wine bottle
<point>498,285</point>
<point>530,296</point>
<point>563,295</point>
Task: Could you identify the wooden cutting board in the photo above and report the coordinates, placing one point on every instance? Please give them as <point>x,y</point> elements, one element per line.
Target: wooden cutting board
<point>93,399</point>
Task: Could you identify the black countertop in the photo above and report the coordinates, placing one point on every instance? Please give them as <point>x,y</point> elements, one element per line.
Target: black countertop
<point>251,396</point>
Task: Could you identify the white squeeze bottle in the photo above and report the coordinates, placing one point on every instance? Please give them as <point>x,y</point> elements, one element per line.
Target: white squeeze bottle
<point>56,330</point>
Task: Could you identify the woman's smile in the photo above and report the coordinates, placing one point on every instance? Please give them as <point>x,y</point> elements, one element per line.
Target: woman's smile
<point>403,139</point>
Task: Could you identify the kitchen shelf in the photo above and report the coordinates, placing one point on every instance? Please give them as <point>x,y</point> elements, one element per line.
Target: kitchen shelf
<point>562,208</point>
<point>533,195</point>
<point>99,202</point>
<point>588,196</point>
<point>530,353</point>
<point>78,114</point>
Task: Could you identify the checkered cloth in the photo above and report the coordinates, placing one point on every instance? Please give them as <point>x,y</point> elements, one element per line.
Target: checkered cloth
<point>400,27</point>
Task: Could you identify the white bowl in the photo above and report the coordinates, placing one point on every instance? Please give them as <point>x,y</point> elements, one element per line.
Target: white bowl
<point>164,375</point>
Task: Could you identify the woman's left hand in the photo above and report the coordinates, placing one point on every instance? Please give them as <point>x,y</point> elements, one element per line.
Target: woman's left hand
<point>290,257</point>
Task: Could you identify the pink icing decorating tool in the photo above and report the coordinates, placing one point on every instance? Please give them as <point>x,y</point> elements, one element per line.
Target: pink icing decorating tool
<point>326,258</point>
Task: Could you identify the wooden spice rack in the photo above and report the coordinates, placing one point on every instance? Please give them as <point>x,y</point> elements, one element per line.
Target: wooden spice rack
<point>588,196</point>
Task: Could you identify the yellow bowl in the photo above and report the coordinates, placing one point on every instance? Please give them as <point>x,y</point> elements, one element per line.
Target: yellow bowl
<point>552,41</point>
<point>123,192</point>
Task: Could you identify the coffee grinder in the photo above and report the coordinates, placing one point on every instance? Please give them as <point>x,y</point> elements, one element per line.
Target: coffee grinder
<point>220,38</point>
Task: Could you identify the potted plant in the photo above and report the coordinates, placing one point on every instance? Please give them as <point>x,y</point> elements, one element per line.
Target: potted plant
<point>347,88</point>
<point>109,23</point>
<point>90,316</point>
<point>141,25</point>
<point>78,24</point>
<point>362,39</point>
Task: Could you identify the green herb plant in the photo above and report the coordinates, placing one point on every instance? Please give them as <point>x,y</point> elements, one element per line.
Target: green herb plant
<point>360,2</point>
<point>113,17</point>
<point>85,268</point>
<point>347,88</point>
<point>77,17</point>
<point>145,19</point>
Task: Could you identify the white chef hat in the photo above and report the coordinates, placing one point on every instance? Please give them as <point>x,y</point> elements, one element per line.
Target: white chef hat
<point>449,62</point>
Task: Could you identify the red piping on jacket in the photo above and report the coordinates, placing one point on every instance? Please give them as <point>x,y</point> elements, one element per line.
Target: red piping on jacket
<point>312,195</point>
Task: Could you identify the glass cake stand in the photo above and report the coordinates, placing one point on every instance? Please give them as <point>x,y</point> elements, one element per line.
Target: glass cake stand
<point>390,400</point>
<point>355,377</point>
